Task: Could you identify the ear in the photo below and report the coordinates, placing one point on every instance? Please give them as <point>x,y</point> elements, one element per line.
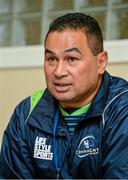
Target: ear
<point>102,61</point>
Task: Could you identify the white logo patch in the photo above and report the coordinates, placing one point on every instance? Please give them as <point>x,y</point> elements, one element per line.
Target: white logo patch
<point>42,150</point>
<point>87,147</point>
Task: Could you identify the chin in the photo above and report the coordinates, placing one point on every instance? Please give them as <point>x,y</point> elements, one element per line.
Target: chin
<point>62,97</point>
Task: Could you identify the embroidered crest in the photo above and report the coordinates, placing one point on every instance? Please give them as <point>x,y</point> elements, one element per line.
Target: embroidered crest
<point>87,147</point>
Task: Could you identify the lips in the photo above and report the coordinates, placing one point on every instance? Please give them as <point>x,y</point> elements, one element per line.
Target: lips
<point>61,87</point>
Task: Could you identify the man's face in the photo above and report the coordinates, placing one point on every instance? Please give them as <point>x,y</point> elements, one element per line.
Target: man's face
<point>73,73</point>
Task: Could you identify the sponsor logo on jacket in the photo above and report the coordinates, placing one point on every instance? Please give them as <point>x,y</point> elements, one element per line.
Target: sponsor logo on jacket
<point>87,147</point>
<point>42,150</point>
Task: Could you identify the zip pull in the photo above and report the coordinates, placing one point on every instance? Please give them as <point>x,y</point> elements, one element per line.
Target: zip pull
<point>57,176</point>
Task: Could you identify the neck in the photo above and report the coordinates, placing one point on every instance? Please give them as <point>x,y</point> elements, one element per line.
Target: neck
<point>75,103</point>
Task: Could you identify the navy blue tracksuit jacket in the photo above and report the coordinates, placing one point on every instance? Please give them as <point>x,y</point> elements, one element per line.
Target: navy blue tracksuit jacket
<point>38,145</point>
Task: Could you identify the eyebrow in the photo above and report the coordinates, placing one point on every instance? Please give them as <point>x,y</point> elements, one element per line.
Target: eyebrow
<point>73,49</point>
<point>67,50</point>
<point>49,51</point>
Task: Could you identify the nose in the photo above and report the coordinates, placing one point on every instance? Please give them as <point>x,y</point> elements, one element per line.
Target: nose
<point>60,70</point>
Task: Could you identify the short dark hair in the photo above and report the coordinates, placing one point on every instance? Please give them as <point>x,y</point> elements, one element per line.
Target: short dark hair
<point>80,21</point>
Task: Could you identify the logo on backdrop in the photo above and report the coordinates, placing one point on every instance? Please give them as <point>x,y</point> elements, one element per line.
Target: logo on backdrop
<point>87,147</point>
<point>42,150</point>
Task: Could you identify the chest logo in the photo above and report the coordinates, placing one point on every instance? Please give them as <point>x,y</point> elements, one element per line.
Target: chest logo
<point>42,150</point>
<point>87,147</point>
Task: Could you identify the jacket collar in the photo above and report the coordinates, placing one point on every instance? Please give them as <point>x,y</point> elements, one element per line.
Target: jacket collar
<point>42,117</point>
<point>99,102</point>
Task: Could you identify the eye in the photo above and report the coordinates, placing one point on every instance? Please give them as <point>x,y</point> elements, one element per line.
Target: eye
<point>51,60</point>
<point>72,60</point>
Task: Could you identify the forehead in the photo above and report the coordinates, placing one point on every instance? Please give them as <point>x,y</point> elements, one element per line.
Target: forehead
<point>66,34</point>
<point>66,39</point>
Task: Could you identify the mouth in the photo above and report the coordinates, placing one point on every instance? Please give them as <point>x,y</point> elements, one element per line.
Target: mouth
<point>62,87</point>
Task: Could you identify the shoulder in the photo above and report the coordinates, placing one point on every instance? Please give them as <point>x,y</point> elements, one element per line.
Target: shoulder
<point>24,107</point>
<point>29,103</point>
<point>117,90</point>
<point>115,114</point>
<point>116,109</point>
<point>118,86</point>
<point>20,114</point>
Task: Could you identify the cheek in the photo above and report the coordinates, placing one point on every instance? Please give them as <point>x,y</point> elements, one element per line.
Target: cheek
<point>81,74</point>
<point>79,79</point>
<point>85,76</point>
<point>47,73</point>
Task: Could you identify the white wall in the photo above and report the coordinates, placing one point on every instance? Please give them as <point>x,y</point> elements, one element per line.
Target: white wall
<point>32,56</point>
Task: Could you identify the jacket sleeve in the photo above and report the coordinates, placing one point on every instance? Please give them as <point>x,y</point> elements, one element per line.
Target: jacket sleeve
<point>115,140</point>
<point>15,159</point>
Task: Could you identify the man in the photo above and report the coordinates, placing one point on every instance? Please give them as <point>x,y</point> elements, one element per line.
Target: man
<point>77,127</point>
